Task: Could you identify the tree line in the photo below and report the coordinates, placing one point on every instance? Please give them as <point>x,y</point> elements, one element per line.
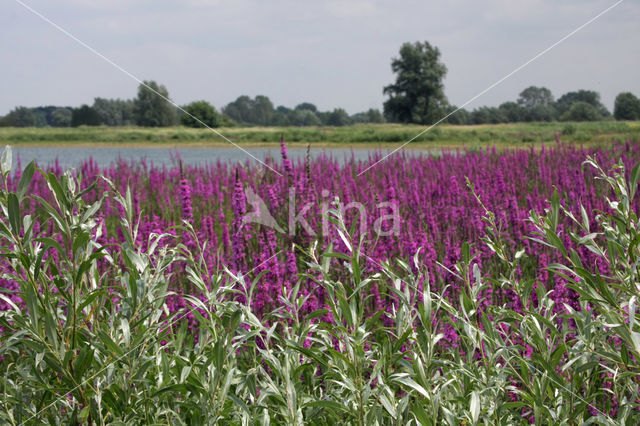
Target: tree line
<point>417,96</point>
<point>151,109</point>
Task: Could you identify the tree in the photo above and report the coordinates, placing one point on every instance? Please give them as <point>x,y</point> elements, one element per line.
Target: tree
<point>459,117</point>
<point>487,115</point>
<point>21,117</point>
<point>262,110</point>
<point>152,110</point>
<point>85,116</point>
<point>203,111</point>
<point>581,111</point>
<point>61,117</point>
<point>115,112</point>
<point>239,110</point>
<point>512,112</point>
<point>537,103</point>
<point>370,116</point>
<point>626,107</point>
<point>338,117</point>
<point>564,102</point>
<point>417,96</point>
<point>306,106</point>
<point>303,117</point>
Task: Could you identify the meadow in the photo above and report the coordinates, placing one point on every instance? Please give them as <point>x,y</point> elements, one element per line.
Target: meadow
<point>485,286</point>
<point>365,135</point>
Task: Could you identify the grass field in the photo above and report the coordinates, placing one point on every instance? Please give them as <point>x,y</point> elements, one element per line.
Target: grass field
<point>365,136</point>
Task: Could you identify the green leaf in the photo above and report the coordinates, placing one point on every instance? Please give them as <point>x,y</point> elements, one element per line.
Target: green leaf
<point>84,414</point>
<point>25,180</point>
<point>633,180</point>
<point>14,212</point>
<point>5,161</point>
<point>474,407</point>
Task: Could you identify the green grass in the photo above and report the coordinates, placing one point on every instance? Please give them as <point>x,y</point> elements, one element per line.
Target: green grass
<point>360,135</point>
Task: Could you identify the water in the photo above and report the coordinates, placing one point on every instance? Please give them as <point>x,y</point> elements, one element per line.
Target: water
<point>74,156</point>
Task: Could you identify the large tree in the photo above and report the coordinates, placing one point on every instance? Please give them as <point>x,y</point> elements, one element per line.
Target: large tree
<point>85,116</point>
<point>115,112</point>
<point>537,104</point>
<point>417,96</point>
<point>626,107</point>
<point>251,111</point>
<point>21,117</point>
<point>151,108</point>
<point>566,101</point>
<point>203,111</point>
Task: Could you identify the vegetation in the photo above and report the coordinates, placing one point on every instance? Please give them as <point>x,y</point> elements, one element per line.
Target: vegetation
<point>151,108</point>
<point>124,323</point>
<point>627,107</point>
<point>417,96</point>
<point>200,114</point>
<point>370,135</point>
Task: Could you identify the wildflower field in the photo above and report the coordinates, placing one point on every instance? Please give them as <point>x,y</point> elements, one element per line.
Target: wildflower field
<point>476,287</point>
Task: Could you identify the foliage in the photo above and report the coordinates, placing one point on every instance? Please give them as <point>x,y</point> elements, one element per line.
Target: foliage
<point>151,108</point>
<point>21,117</point>
<point>626,107</point>
<point>363,135</point>
<point>114,112</point>
<point>581,111</point>
<point>85,116</point>
<point>566,101</point>
<point>417,96</point>
<point>88,335</point>
<point>61,117</point>
<point>203,111</point>
<point>537,104</point>
<point>245,110</point>
<point>338,117</point>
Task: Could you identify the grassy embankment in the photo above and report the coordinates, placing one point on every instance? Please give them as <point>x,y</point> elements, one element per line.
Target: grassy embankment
<point>357,136</point>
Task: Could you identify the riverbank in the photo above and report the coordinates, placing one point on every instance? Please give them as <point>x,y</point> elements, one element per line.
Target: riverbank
<point>374,136</point>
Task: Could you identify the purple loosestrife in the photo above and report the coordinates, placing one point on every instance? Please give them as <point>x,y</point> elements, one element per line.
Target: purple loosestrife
<point>185,199</point>
<point>286,163</point>
<point>239,205</point>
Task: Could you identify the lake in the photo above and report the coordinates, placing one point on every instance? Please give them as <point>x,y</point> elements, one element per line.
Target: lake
<point>74,156</point>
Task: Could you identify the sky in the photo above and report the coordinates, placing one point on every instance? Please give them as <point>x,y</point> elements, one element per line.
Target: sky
<point>328,52</point>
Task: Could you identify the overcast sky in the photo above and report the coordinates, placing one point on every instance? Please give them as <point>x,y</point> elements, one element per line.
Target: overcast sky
<point>330,53</point>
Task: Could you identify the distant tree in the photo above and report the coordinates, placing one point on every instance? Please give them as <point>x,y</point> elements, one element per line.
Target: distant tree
<point>61,117</point>
<point>487,115</point>
<point>240,110</point>
<point>512,112</point>
<point>85,116</point>
<point>202,110</point>
<point>152,110</point>
<point>306,106</point>
<point>626,107</point>
<point>226,121</point>
<point>581,111</point>
<point>303,117</point>
<point>537,103</point>
<point>372,115</point>
<point>533,97</point>
<point>262,111</point>
<point>258,111</point>
<point>564,102</point>
<point>338,117</point>
<point>115,112</point>
<point>21,117</point>
<point>280,119</point>
<point>417,96</point>
<point>459,117</point>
